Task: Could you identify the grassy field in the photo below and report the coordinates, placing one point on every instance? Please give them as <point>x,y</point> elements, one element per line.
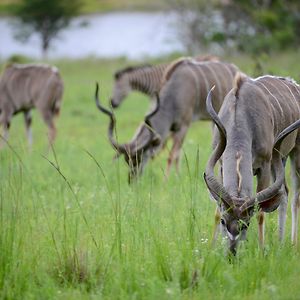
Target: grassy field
<point>72,228</point>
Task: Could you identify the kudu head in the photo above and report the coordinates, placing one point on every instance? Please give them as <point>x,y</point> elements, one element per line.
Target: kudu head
<point>124,83</point>
<point>121,87</point>
<point>141,148</point>
<point>236,212</point>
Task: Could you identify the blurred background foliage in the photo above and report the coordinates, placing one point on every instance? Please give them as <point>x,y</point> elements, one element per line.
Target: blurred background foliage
<point>249,26</point>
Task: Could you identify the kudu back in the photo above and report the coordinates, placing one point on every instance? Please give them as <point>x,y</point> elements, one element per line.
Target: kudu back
<point>257,129</point>
<point>146,79</point>
<point>181,101</point>
<point>23,87</point>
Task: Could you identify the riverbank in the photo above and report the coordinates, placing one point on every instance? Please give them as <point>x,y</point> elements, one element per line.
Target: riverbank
<point>154,36</point>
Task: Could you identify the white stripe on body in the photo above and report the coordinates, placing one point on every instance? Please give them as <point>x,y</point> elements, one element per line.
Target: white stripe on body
<point>282,96</point>
<point>295,100</point>
<point>278,103</point>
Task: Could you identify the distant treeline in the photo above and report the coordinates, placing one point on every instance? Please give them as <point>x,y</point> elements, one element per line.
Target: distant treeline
<point>8,7</point>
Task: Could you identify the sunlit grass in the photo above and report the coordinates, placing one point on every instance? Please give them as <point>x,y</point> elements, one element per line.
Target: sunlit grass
<point>72,228</point>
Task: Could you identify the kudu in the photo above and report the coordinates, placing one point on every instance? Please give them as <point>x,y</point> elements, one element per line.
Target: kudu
<point>146,79</point>
<point>23,87</point>
<point>256,131</point>
<point>182,100</point>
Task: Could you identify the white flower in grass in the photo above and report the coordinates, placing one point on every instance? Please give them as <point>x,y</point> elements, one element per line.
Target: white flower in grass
<point>272,288</point>
<point>76,188</point>
<point>196,252</point>
<point>169,291</point>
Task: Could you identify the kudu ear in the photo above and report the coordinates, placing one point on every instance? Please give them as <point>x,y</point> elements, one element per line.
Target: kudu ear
<point>156,140</point>
<point>271,204</point>
<point>271,197</point>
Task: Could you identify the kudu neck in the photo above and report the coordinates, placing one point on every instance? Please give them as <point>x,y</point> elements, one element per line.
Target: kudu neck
<point>145,80</point>
<point>161,123</point>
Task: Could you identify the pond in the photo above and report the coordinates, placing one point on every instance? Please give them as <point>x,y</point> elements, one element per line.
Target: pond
<point>135,35</point>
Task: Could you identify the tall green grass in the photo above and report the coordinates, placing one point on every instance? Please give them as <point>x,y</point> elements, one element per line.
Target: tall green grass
<point>72,228</point>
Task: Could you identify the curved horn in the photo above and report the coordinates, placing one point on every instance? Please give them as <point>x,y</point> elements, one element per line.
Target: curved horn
<point>120,148</point>
<point>286,132</point>
<point>216,188</point>
<point>273,190</point>
<point>213,114</point>
<point>153,137</point>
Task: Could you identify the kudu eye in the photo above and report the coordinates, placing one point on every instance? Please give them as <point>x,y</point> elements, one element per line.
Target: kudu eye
<point>223,222</point>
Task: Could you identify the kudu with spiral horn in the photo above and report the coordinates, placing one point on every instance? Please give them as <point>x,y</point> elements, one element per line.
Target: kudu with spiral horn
<point>135,152</point>
<point>256,129</point>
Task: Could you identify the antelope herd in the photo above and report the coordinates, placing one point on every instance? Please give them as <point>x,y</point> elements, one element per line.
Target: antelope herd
<point>256,123</point>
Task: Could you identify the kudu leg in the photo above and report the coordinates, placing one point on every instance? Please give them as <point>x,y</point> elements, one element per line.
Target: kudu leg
<point>263,181</point>
<point>5,122</point>
<point>295,171</point>
<point>282,211</point>
<point>5,135</point>
<point>261,228</point>
<point>48,118</point>
<point>28,121</point>
<point>174,155</point>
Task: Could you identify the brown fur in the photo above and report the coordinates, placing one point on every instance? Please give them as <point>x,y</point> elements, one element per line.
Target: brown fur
<point>207,57</point>
<point>172,67</point>
<point>27,86</point>
<point>238,82</point>
<point>119,73</point>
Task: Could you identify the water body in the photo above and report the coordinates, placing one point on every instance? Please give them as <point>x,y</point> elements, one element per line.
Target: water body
<point>134,35</point>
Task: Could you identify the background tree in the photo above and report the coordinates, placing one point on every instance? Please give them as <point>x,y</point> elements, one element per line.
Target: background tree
<point>46,18</point>
<point>252,26</point>
<point>197,23</point>
<point>262,25</point>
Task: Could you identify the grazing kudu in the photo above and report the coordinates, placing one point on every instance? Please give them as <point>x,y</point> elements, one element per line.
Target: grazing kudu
<point>256,132</point>
<point>182,100</point>
<point>145,79</point>
<point>23,87</point>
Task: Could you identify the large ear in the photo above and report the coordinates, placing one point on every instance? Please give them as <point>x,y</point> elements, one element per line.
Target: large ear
<point>271,204</point>
<point>156,140</point>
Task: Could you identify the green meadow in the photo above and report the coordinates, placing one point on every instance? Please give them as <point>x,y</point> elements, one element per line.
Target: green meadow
<point>72,228</point>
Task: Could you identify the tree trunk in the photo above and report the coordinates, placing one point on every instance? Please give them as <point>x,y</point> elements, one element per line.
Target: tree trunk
<point>45,47</point>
